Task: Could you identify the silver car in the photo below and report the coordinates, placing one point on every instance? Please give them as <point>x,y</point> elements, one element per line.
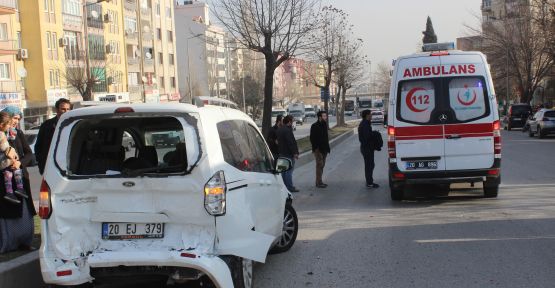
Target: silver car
<point>542,123</point>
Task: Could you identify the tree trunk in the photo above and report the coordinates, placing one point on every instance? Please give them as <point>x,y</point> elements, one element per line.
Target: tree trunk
<point>337,107</point>
<point>341,120</point>
<point>268,95</point>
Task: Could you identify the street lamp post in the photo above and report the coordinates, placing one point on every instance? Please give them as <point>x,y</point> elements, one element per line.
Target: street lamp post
<point>86,38</point>
<point>189,66</point>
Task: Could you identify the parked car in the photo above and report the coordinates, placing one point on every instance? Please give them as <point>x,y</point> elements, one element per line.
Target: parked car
<point>517,116</point>
<point>309,111</point>
<point>197,213</point>
<point>377,117</point>
<point>542,123</point>
<point>298,116</point>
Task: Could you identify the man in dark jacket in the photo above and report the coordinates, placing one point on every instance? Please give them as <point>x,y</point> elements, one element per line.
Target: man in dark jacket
<point>272,136</point>
<point>46,132</point>
<point>367,148</point>
<point>288,149</point>
<point>320,145</point>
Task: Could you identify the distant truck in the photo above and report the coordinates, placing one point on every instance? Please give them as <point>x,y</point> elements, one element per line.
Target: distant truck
<point>349,107</point>
<point>309,111</point>
<point>297,110</point>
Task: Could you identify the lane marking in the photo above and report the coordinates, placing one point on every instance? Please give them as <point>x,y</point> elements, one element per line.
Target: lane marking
<point>484,239</point>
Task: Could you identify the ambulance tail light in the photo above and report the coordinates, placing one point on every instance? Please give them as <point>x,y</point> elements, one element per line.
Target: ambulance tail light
<point>45,203</point>
<point>497,139</point>
<point>391,142</point>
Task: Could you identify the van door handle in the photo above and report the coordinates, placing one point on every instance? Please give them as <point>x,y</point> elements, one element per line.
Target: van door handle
<point>454,136</point>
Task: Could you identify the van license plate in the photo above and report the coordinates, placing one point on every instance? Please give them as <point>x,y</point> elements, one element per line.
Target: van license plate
<point>424,165</point>
<point>124,231</point>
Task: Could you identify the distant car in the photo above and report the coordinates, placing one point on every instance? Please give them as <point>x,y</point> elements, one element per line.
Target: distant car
<point>31,137</point>
<point>542,123</point>
<point>377,117</point>
<point>309,111</point>
<point>517,116</point>
<point>299,117</point>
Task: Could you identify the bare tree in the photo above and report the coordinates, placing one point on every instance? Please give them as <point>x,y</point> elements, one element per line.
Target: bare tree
<point>74,72</point>
<point>518,47</point>
<point>276,28</point>
<point>383,77</point>
<point>350,71</point>
<point>326,49</point>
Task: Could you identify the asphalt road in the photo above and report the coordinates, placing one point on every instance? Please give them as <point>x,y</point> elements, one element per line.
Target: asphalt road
<point>304,130</point>
<point>351,236</point>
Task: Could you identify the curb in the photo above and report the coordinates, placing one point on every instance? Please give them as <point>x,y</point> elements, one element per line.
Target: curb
<point>306,157</point>
<point>23,271</point>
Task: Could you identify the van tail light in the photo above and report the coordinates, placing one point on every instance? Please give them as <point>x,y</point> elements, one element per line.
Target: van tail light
<point>497,139</point>
<point>214,194</point>
<point>391,142</point>
<point>45,204</point>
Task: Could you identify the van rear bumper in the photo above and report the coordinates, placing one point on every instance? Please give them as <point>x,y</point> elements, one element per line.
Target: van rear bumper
<point>212,266</point>
<point>446,177</point>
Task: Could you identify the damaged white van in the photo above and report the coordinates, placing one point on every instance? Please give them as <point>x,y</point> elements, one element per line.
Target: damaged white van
<point>196,197</point>
<point>444,124</point>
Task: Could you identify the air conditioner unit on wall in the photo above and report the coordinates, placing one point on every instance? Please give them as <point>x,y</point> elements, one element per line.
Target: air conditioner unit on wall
<point>109,49</point>
<point>108,18</point>
<point>63,42</point>
<point>22,54</point>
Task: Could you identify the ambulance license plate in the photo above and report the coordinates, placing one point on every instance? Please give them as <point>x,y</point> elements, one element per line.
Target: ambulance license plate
<point>424,165</point>
<point>126,231</point>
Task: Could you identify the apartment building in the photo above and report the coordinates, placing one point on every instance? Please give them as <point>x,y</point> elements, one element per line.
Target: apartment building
<point>203,68</point>
<point>150,49</point>
<point>12,91</point>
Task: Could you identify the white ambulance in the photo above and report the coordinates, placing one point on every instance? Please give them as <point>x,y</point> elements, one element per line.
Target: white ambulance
<point>444,124</point>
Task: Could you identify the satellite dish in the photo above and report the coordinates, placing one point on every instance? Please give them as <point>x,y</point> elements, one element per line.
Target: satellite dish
<point>22,72</point>
<point>146,29</point>
<point>148,55</point>
<point>144,79</point>
<point>94,14</point>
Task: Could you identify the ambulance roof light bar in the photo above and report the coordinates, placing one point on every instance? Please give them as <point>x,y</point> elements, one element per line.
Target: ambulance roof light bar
<point>431,47</point>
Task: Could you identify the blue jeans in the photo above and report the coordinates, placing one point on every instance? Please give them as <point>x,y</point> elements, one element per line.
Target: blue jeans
<point>288,176</point>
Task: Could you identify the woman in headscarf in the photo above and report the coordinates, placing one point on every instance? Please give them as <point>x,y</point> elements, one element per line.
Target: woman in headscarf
<point>16,221</point>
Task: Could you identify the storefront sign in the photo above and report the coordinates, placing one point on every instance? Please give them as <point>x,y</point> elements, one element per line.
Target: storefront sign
<point>53,95</point>
<point>152,96</point>
<point>122,97</point>
<point>10,99</point>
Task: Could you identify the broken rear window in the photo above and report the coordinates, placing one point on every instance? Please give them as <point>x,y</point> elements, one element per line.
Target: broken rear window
<point>131,146</point>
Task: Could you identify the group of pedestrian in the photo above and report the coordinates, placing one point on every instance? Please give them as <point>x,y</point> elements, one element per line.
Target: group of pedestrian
<point>282,143</point>
<point>16,200</point>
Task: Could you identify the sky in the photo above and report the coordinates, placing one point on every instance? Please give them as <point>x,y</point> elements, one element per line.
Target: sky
<point>392,28</point>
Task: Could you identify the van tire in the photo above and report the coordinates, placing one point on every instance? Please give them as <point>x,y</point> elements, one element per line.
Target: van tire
<point>491,191</point>
<point>541,134</point>
<point>289,231</point>
<point>241,271</point>
<point>530,133</point>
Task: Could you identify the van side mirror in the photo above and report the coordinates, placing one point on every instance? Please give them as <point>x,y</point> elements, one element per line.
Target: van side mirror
<point>283,165</point>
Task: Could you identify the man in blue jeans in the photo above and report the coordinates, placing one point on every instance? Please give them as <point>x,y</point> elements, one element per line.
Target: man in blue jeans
<point>288,149</point>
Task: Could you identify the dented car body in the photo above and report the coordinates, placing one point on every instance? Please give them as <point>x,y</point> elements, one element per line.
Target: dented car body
<point>180,210</point>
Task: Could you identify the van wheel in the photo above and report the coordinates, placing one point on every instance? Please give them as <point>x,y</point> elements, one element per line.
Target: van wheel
<point>289,231</point>
<point>491,191</point>
<point>541,134</point>
<point>530,133</point>
<point>241,271</point>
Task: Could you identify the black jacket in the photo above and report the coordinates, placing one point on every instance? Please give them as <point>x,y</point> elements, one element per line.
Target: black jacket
<point>286,142</point>
<point>272,139</point>
<point>365,136</point>
<point>9,210</point>
<point>319,137</point>
<point>46,132</point>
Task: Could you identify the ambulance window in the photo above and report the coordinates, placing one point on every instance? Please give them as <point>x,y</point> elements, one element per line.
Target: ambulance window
<point>468,98</point>
<point>416,100</point>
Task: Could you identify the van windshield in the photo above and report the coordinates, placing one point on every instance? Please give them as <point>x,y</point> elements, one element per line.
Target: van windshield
<point>445,100</point>
<point>130,146</point>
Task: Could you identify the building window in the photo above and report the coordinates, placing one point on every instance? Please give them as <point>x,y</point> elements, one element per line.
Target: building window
<point>54,45</point>
<point>3,31</point>
<point>171,59</point>
<point>170,36</point>
<point>161,57</point>
<point>51,77</point>
<point>19,45</point>
<point>130,24</point>
<point>172,82</point>
<point>168,12</point>
<point>72,7</point>
<point>95,10</point>
<point>158,9</point>
<point>4,71</point>
<point>159,33</point>
<point>161,84</point>
<point>72,48</point>
<point>97,50</point>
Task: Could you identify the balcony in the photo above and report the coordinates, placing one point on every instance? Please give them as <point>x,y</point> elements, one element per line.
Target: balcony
<point>10,86</point>
<point>146,11</point>
<point>8,7</point>
<point>8,47</point>
<point>486,5</point>
<point>134,88</point>
<point>130,5</point>
<point>72,22</point>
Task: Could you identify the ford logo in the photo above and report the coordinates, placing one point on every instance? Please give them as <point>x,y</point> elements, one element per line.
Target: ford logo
<point>128,184</point>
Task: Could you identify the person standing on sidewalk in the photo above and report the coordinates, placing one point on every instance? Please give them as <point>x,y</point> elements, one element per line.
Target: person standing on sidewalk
<point>272,137</point>
<point>320,145</point>
<point>288,149</point>
<point>46,132</point>
<point>367,148</point>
